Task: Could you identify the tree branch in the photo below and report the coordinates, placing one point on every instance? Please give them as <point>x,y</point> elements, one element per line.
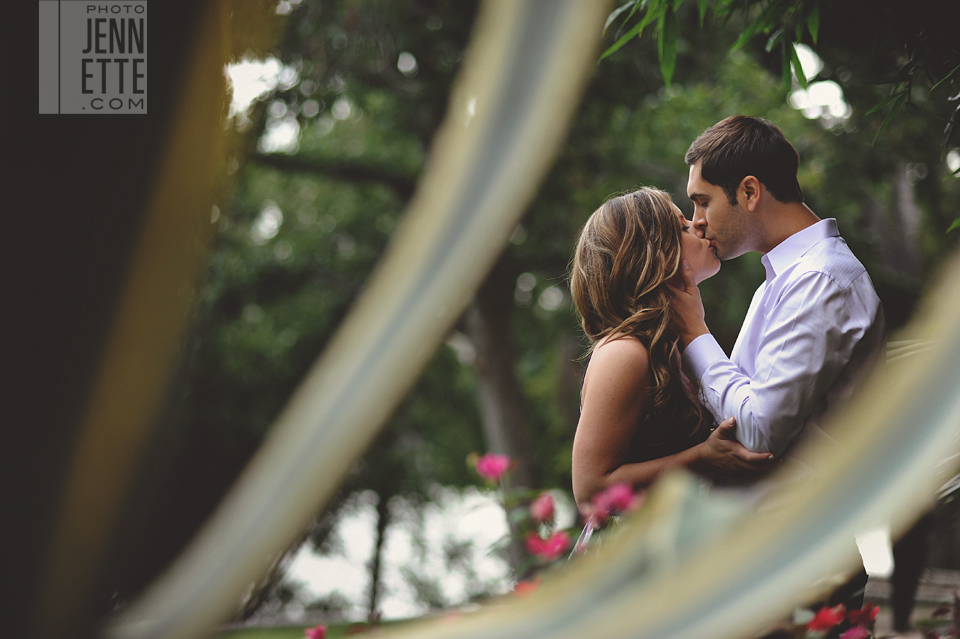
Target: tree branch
<point>402,185</point>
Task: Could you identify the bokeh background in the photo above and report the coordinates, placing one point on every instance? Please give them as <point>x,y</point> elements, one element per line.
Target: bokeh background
<point>329,112</point>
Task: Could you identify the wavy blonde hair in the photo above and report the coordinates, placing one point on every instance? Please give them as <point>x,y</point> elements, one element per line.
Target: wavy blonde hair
<point>626,253</point>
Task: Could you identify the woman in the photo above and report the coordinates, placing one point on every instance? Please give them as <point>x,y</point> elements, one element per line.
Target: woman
<point>639,412</point>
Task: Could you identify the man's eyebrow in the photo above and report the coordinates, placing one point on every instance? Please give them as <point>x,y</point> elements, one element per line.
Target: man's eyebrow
<point>694,196</point>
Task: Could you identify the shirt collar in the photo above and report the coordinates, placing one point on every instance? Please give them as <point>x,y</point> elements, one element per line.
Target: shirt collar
<point>794,247</point>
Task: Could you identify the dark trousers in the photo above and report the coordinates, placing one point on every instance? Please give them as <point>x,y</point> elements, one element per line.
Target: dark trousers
<point>910,558</point>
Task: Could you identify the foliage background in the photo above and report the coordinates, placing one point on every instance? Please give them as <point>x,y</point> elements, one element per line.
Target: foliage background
<point>304,224</point>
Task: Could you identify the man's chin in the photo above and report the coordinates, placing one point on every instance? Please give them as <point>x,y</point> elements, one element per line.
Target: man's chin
<point>724,257</point>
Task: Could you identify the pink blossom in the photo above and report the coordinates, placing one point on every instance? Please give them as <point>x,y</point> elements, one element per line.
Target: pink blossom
<point>857,632</point>
<point>492,466</point>
<point>550,548</point>
<point>615,499</point>
<point>827,618</point>
<point>541,508</point>
<point>865,616</point>
<point>524,588</point>
<point>317,632</point>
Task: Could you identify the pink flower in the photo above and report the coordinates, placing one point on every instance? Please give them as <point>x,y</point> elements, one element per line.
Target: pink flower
<point>541,508</point>
<point>615,499</point>
<point>492,466</point>
<point>857,632</point>
<point>317,632</point>
<point>550,548</point>
<point>524,588</point>
<point>827,618</point>
<point>865,616</point>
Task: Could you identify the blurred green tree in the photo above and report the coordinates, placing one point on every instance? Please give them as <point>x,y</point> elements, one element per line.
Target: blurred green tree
<point>325,164</point>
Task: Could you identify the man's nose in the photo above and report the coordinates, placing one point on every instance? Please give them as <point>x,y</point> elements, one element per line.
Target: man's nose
<point>699,221</point>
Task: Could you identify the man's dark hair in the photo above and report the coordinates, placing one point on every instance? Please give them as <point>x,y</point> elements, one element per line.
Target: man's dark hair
<point>739,146</point>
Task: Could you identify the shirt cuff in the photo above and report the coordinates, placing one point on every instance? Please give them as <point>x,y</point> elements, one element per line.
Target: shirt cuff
<point>701,353</point>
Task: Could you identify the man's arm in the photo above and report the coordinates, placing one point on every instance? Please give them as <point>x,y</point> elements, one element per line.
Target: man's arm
<point>615,399</point>
<point>806,342</point>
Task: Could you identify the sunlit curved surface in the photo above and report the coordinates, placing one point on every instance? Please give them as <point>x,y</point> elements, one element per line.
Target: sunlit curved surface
<point>689,565</point>
<point>520,83</point>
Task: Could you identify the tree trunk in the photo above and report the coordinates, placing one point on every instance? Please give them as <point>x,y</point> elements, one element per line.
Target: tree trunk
<point>383,520</point>
<point>487,323</point>
<point>897,230</point>
<point>571,379</point>
<point>908,218</point>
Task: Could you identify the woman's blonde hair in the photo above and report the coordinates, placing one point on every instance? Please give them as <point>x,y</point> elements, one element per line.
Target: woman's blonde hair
<point>626,253</point>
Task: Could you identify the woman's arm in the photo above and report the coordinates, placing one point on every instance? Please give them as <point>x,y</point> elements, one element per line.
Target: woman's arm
<point>614,402</point>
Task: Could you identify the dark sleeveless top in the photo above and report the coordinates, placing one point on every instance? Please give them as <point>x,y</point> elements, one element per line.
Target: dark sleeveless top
<point>653,443</point>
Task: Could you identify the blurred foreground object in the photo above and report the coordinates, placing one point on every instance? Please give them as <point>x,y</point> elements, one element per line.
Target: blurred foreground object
<point>688,565</point>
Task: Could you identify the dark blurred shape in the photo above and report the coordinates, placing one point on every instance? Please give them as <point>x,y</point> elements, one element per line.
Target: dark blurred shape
<point>93,196</point>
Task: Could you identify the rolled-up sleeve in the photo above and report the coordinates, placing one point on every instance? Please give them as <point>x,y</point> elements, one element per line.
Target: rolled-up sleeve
<point>808,336</point>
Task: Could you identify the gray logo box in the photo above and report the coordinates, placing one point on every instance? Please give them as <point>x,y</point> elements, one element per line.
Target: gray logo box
<point>93,56</point>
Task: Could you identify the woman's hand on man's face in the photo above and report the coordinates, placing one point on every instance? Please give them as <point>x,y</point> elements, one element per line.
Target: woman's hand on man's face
<point>688,308</point>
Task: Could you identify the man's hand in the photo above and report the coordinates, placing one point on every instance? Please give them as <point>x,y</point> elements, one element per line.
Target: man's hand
<point>688,308</point>
<point>723,455</point>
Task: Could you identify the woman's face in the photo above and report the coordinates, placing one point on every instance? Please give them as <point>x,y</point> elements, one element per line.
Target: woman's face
<point>696,250</point>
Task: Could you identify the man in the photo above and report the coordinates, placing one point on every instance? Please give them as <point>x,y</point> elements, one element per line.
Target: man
<point>815,325</point>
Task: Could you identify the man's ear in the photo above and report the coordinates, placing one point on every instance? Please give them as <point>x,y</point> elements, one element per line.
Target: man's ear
<point>750,188</point>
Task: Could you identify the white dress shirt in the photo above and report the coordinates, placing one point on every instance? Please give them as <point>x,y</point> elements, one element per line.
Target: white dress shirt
<point>814,328</point>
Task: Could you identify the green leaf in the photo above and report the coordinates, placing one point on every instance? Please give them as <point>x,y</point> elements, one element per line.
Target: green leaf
<point>616,12</point>
<point>797,67</point>
<point>702,7</point>
<point>637,31</point>
<point>946,77</point>
<point>885,102</point>
<point>668,44</point>
<point>723,7</point>
<point>639,4</point>
<point>771,16</point>
<point>654,12</point>
<point>956,222</point>
<point>895,109</point>
<point>813,22</point>
<point>751,31</point>
<point>626,37</point>
<point>772,40</point>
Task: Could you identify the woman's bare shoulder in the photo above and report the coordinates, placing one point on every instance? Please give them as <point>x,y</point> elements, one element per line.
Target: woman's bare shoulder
<point>620,347</point>
<point>621,356</point>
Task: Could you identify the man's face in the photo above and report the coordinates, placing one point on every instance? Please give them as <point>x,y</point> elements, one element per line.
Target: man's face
<point>727,227</point>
